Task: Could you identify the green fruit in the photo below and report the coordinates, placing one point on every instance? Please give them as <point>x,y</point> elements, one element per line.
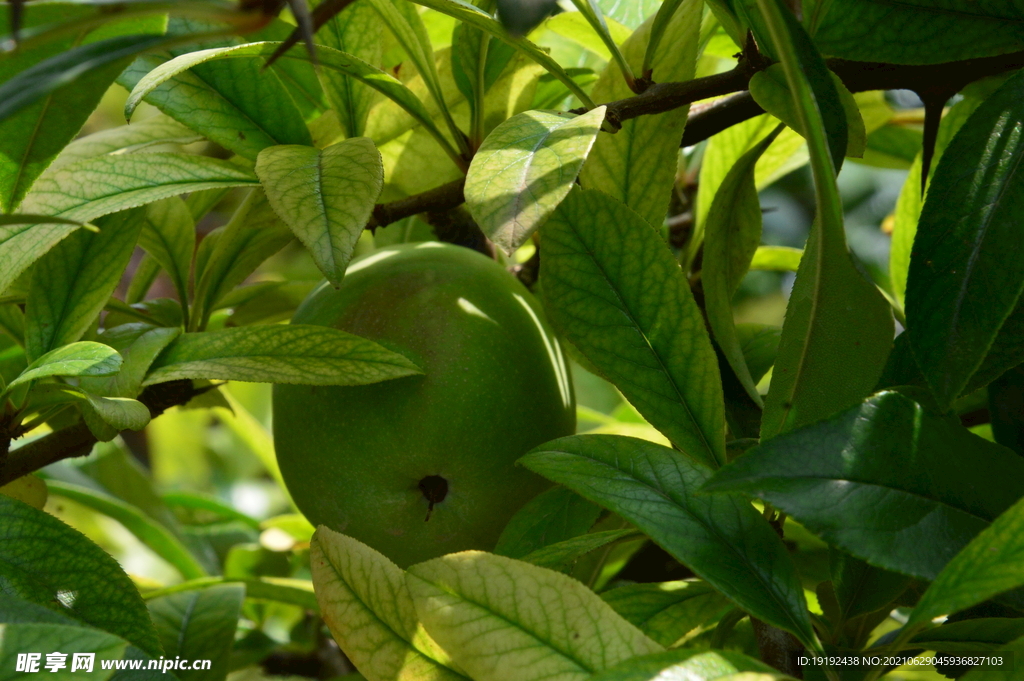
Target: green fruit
<point>424,465</point>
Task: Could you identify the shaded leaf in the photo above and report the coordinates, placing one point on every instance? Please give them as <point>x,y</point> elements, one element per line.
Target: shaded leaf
<point>965,272</point>
<point>50,637</point>
<point>882,480</point>
<point>670,610</point>
<point>45,561</point>
<point>550,517</point>
<point>655,488</point>
<point>199,625</point>
<point>169,235</point>
<point>986,567</point>
<point>561,554</point>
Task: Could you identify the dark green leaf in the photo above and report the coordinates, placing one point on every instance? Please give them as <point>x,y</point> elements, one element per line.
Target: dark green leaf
<point>1006,407</point>
<point>613,287</point>
<point>45,561</point>
<point>199,625</point>
<point>918,31</point>
<point>988,566</point>
<point>297,353</point>
<point>562,554</point>
<point>668,611</point>
<point>169,235</point>
<point>550,517</point>
<point>882,480</point>
<point>139,344</point>
<point>67,639</point>
<point>71,284</point>
<point>655,488</point>
<point>971,636</point>
<point>861,588</point>
<point>966,273</point>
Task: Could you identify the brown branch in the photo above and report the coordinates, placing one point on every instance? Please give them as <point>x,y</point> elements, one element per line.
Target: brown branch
<point>735,106</point>
<point>77,440</point>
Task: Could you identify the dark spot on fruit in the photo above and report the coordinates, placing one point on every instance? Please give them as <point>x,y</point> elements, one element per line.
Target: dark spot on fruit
<point>435,489</point>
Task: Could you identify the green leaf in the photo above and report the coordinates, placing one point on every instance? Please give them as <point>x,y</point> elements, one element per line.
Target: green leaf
<point>769,89</point>
<point>920,31</point>
<point>591,11</point>
<point>238,104</point>
<point>986,567</point>
<point>630,13</point>
<point>298,78</point>
<point>140,136</point>
<point>692,665</point>
<point>45,561</point>
<point>298,592</point>
<point>39,637</point>
<point>524,169</point>
<point>550,517</point>
<point>654,488</point>
<point>88,189</point>
<point>861,588</point>
<point>829,358</point>
<point>970,636</point>
<point>786,154</point>
<point>365,602</point>
<point>139,345</point>
<point>359,32</point>
<point>169,235</point>
<point>1004,399</point>
<point>22,243</point>
<point>328,58</point>
<point>732,234</point>
<point>614,289</point>
<point>405,24</point>
<point>562,554</point>
<point>108,416</point>
<point>637,165</point>
<point>297,353</point>
<point>84,358</point>
<point>254,233</point>
<point>502,619</point>
<point>670,610</point>
<point>780,258</point>
<point>882,480</point>
<point>983,673</point>
<point>71,284</point>
<point>199,625</point>
<point>475,17</point>
<point>32,137</point>
<point>965,277</point>
<point>908,206</point>
<point>153,535</point>
<point>202,502</point>
<point>325,196</point>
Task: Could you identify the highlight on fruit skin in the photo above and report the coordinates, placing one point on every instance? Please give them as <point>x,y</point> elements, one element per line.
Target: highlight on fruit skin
<point>421,466</point>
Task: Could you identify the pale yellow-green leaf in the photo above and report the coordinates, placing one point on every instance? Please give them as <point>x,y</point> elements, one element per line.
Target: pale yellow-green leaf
<point>506,620</point>
<point>149,134</point>
<point>637,165</point>
<point>324,196</point>
<point>366,604</point>
<point>88,189</point>
<point>779,258</point>
<point>524,169</point>
<point>573,26</point>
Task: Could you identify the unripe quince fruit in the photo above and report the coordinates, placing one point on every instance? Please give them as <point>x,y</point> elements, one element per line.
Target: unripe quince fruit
<point>422,466</point>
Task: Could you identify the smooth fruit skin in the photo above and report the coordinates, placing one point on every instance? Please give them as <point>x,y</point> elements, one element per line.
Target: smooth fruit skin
<point>495,385</point>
